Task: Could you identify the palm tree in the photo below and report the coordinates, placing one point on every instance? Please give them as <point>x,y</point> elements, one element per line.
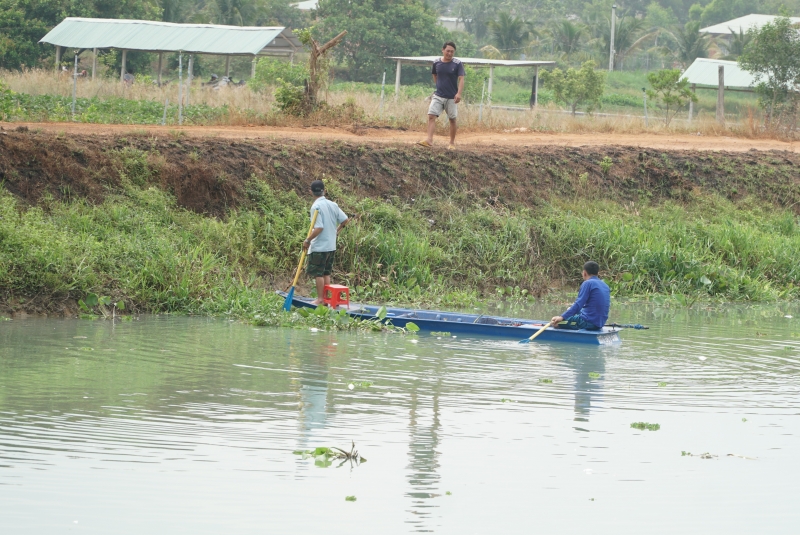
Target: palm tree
<point>691,43</point>
<point>627,38</point>
<point>567,37</point>
<point>509,34</point>
<point>737,43</point>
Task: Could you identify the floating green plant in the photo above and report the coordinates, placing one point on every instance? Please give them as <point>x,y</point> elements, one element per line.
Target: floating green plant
<point>662,383</point>
<point>448,493</point>
<point>440,333</point>
<point>594,375</point>
<point>545,381</point>
<point>350,498</point>
<point>324,456</point>
<point>744,419</point>
<point>644,425</point>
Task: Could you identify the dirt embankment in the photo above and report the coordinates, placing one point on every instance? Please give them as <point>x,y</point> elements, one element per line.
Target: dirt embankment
<point>208,174</point>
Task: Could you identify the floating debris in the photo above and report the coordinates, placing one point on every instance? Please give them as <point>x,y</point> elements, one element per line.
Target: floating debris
<point>594,375</point>
<point>323,455</point>
<point>644,425</point>
<point>742,456</point>
<point>350,498</point>
<point>448,493</point>
<point>705,455</point>
<point>548,381</point>
<point>662,383</point>
<point>744,419</point>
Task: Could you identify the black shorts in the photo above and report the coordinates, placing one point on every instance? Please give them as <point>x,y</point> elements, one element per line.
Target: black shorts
<point>320,264</point>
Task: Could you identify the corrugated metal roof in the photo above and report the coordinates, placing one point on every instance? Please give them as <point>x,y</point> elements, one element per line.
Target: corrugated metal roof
<point>308,5</point>
<point>475,61</point>
<point>742,24</point>
<point>705,71</point>
<point>153,36</point>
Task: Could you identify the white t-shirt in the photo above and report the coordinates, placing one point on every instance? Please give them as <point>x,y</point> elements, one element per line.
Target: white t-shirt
<point>329,218</point>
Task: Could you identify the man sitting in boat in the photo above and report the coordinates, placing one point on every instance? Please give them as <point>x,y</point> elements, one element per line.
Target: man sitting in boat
<point>590,309</point>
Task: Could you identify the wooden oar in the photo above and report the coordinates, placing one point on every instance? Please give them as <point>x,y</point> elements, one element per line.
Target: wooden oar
<point>537,333</point>
<point>287,304</point>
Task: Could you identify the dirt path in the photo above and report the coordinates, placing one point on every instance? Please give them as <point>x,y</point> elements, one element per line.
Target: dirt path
<point>465,140</point>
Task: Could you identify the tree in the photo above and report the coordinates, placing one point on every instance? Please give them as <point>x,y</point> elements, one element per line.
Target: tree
<point>379,28</point>
<point>670,91</point>
<point>737,44</point>
<point>691,44</point>
<point>575,88</point>
<point>508,34</point>
<point>773,57</point>
<point>567,37</point>
<point>24,22</point>
<point>721,10</point>
<point>627,38</point>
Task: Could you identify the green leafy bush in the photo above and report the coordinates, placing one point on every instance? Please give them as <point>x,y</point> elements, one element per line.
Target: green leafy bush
<point>270,72</point>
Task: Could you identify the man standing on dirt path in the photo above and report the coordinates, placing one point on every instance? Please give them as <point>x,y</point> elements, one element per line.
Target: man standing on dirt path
<point>321,243</point>
<point>448,75</point>
<point>590,309</point>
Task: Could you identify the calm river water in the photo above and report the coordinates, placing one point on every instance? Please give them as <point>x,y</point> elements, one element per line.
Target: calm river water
<point>183,425</point>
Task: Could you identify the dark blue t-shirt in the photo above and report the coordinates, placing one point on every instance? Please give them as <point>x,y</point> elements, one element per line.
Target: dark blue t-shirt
<point>593,302</point>
<point>447,74</point>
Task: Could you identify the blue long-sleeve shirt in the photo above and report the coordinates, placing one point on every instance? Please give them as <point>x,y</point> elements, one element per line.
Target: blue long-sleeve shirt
<point>593,302</point>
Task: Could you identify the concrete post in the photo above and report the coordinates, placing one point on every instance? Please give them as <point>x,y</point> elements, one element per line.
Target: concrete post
<point>489,91</point>
<point>160,66</point>
<point>613,32</point>
<point>535,88</point>
<point>189,73</point>
<point>397,80</point>
<point>253,68</point>
<point>691,104</point>
<point>227,65</point>
<point>94,63</point>
<point>58,59</point>
<point>721,96</point>
<point>122,70</point>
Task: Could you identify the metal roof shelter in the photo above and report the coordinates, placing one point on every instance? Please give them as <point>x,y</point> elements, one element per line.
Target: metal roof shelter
<point>742,24</point>
<point>160,37</point>
<point>481,62</point>
<point>705,72</point>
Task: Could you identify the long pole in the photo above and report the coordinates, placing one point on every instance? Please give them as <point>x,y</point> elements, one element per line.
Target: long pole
<point>613,32</point>
<point>74,85</point>
<point>180,88</point>
<point>383,85</point>
<point>691,104</point>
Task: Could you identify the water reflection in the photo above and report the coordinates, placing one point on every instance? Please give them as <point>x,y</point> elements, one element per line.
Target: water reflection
<point>176,409</point>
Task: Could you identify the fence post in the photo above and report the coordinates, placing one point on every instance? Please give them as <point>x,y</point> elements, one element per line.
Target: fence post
<point>74,84</point>
<point>644,95</point>
<point>180,88</point>
<point>691,104</point>
<point>189,73</point>
<point>480,110</point>
<point>164,118</point>
<point>383,85</point>
<point>721,96</point>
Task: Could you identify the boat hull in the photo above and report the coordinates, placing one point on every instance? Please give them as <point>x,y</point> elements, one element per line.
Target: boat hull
<point>454,323</point>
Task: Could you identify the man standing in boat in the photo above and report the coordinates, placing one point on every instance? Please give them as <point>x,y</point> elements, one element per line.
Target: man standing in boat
<point>448,75</point>
<point>590,309</point>
<point>321,243</point>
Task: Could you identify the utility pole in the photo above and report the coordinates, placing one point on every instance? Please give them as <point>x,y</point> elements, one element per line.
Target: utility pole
<point>613,31</point>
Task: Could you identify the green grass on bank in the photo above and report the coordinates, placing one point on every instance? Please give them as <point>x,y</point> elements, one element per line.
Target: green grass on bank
<point>138,246</point>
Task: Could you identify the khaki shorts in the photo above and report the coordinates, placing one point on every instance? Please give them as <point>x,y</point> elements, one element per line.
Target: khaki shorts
<point>439,104</point>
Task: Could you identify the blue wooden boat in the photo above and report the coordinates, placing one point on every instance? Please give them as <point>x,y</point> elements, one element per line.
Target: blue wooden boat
<point>480,325</point>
